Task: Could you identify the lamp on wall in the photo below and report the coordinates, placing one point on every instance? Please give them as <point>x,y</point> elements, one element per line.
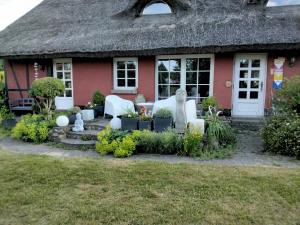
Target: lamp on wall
<point>292,61</point>
<point>36,70</point>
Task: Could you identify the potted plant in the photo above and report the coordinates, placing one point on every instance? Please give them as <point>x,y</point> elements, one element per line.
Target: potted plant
<point>129,121</point>
<point>98,102</point>
<point>7,118</point>
<point>145,122</point>
<point>73,112</point>
<point>162,120</point>
<point>210,101</point>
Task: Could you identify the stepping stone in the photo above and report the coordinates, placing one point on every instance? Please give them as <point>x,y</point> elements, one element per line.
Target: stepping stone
<point>85,135</point>
<point>78,144</point>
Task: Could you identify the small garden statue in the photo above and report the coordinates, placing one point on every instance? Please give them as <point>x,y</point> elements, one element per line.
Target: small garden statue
<point>181,120</point>
<point>78,124</point>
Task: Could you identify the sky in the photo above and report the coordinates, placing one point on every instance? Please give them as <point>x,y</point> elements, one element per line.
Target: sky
<point>11,10</point>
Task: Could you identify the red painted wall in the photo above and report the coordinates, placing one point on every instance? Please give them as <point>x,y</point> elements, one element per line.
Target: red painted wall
<point>223,73</point>
<point>20,70</point>
<point>98,75</point>
<point>288,72</point>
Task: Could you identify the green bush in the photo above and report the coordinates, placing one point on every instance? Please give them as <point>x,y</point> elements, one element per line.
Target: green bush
<point>210,101</point>
<point>163,113</point>
<point>5,114</point>
<point>45,90</point>
<point>192,142</point>
<point>32,128</point>
<point>281,135</point>
<point>130,114</point>
<point>288,98</point>
<point>98,98</point>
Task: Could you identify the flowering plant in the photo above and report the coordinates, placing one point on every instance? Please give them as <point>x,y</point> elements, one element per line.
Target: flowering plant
<point>130,114</point>
<point>144,116</point>
<point>90,105</point>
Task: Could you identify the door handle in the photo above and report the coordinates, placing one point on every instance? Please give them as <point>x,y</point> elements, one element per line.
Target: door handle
<point>261,86</point>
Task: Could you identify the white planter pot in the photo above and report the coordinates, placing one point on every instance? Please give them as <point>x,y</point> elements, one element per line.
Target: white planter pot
<point>87,114</point>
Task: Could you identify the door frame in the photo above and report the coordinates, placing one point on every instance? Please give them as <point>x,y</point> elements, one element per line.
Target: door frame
<point>64,60</point>
<point>263,56</point>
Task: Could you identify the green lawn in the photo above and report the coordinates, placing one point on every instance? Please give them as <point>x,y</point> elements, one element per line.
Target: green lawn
<point>45,190</point>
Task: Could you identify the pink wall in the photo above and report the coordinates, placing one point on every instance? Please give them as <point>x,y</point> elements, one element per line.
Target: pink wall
<point>223,73</point>
<point>98,75</point>
<point>20,70</point>
<point>288,72</point>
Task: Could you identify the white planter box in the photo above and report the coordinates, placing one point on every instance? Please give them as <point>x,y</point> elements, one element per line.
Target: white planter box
<point>87,114</point>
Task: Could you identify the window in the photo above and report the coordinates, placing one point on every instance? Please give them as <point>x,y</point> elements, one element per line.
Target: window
<point>193,73</point>
<point>157,8</point>
<point>125,73</point>
<point>63,71</point>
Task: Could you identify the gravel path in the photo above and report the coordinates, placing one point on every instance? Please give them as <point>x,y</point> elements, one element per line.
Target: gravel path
<point>249,153</point>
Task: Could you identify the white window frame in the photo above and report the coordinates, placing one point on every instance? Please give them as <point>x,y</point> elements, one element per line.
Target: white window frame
<point>66,60</point>
<point>183,70</point>
<point>115,74</point>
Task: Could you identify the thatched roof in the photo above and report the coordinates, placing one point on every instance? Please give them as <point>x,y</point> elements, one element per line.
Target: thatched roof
<point>105,28</point>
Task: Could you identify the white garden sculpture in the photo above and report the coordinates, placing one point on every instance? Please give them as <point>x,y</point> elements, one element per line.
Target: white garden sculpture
<point>79,124</point>
<point>116,106</point>
<point>191,115</point>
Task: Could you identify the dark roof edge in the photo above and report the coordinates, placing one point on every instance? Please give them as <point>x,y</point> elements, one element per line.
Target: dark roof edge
<point>163,51</point>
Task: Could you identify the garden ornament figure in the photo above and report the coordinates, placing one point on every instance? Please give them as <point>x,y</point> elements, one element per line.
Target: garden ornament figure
<point>78,124</point>
<point>181,120</point>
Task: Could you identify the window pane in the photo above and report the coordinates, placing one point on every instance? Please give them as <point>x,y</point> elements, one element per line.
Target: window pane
<point>173,89</point>
<point>244,63</point>
<point>68,93</point>
<point>255,74</point>
<point>121,74</point>
<point>204,78</point>
<point>243,84</point>
<point>253,95</point>
<point>191,77</point>
<point>59,66</point>
<point>131,83</point>
<point>131,74</point>
<point>203,91</point>
<point>243,94</point>
<point>163,90</point>
<point>67,66</point>
<point>163,65</point>
<point>191,91</point>
<point>130,65</point>
<point>67,75</point>
<point>157,8</point>
<point>163,78</point>
<point>68,84</point>
<point>191,64</point>
<point>121,82</point>
<point>175,78</point>
<point>175,65</point>
<point>255,84</point>
<point>121,65</point>
<point>244,74</point>
<point>204,64</point>
<point>60,75</point>
<point>256,63</point>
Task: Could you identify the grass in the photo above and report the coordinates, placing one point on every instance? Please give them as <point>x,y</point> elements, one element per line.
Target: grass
<point>45,190</point>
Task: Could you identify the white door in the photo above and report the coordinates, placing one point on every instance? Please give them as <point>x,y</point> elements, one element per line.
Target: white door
<point>62,69</point>
<point>249,85</point>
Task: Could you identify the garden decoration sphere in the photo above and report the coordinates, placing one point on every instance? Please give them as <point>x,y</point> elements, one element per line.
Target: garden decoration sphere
<point>62,121</point>
<point>115,123</point>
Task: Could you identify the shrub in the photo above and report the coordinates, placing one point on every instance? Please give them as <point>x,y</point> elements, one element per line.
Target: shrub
<point>130,114</point>
<point>125,148</point>
<point>45,90</point>
<point>163,113</point>
<point>5,114</point>
<point>210,101</point>
<point>281,135</point>
<point>288,98</point>
<point>32,129</point>
<point>98,98</point>
<point>75,110</point>
<point>191,143</point>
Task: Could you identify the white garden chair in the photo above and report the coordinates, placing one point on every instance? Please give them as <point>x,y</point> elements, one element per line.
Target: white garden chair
<point>192,120</point>
<point>116,106</point>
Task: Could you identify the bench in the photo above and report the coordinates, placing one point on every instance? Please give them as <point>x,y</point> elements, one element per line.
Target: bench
<point>23,104</point>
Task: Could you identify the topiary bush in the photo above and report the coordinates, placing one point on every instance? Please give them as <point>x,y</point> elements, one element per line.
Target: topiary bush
<point>45,90</point>
<point>281,135</point>
<point>288,98</point>
<point>32,128</point>
<point>98,98</point>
